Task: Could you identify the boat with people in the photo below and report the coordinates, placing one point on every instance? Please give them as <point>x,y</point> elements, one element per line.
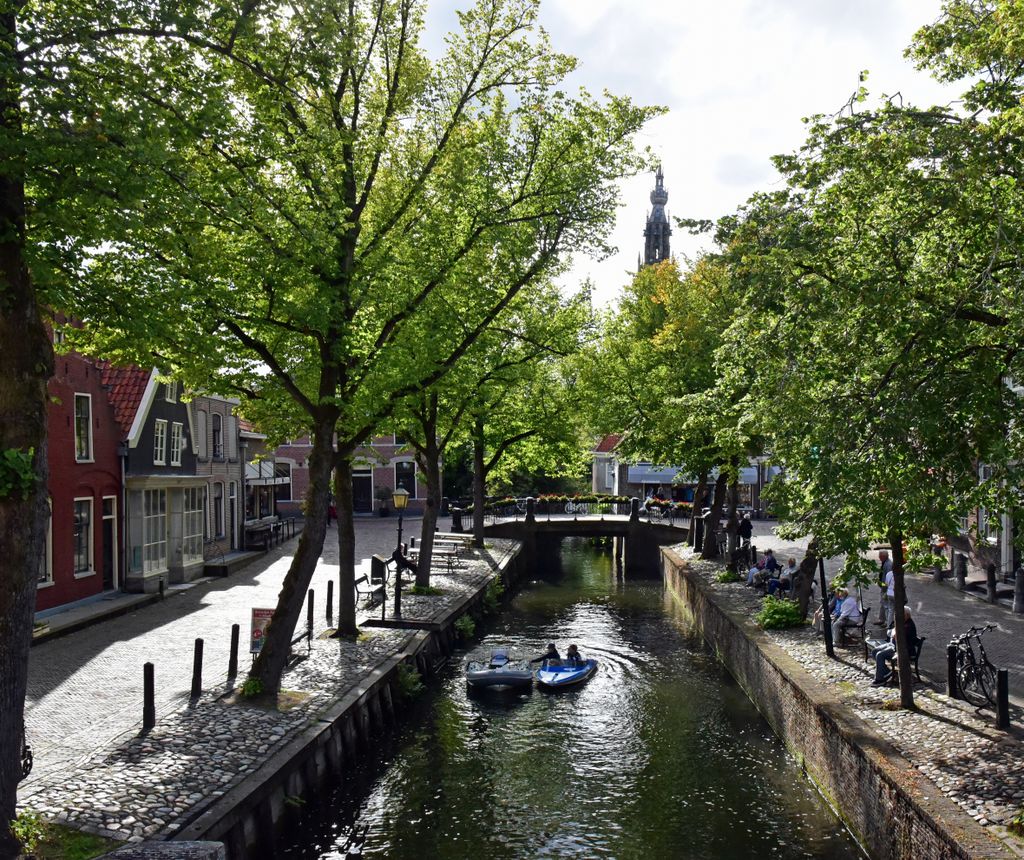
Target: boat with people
<point>556,674</point>
<point>500,671</point>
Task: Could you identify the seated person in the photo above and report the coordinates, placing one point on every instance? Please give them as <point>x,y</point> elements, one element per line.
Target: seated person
<point>550,656</point>
<point>884,656</point>
<point>771,563</point>
<point>785,580</point>
<point>755,575</point>
<point>573,656</point>
<point>847,616</point>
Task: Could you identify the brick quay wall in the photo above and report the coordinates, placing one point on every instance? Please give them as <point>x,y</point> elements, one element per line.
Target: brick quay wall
<point>893,811</point>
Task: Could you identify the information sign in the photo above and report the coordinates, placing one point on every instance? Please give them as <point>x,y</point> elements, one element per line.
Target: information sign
<point>260,620</point>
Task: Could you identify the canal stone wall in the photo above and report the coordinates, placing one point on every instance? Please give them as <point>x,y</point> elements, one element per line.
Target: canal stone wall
<point>250,817</point>
<point>893,811</point>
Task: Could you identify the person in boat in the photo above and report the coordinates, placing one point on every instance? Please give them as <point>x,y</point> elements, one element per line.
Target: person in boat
<point>551,656</point>
<point>573,656</point>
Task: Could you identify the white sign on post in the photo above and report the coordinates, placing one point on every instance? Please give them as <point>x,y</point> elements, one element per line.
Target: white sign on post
<point>260,620</point>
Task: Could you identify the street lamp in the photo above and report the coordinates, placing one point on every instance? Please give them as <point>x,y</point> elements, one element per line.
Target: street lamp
<point>400,499</point>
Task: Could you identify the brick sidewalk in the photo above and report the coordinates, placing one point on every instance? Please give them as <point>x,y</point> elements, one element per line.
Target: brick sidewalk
<point>85,688</point>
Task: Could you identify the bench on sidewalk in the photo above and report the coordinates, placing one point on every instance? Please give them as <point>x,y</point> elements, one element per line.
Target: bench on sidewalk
<point>858,632</point>
<point>915,656</point>
<point>367,589</point>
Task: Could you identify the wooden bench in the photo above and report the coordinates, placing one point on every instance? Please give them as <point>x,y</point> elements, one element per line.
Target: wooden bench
<point>859,630</point>
<point>915,655</point>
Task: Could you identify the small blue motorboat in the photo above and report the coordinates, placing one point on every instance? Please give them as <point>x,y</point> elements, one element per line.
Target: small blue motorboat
<point>557,674</point>
<point>500,672</point>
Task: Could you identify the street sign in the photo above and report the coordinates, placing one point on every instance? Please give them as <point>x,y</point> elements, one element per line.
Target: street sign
<point>260,620</point>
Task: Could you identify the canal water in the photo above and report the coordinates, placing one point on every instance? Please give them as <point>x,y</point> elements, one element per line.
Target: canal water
<point>659,755</point>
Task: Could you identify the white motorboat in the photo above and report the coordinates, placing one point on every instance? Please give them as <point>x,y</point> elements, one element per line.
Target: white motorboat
<point>500,672</point>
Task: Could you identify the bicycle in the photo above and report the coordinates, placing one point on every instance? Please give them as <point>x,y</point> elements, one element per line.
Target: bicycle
<point>26,753</point>
<point>575,507</point>
<point>976,677</point>
<point>656,513</point>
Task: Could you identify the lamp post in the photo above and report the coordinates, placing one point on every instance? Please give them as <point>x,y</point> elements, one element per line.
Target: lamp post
<point>400,499</point>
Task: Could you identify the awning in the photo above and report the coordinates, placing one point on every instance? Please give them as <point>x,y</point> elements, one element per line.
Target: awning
<point>644,473</point>
<point>260,473</point>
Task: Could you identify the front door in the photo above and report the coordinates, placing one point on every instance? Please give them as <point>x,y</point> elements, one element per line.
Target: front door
<point>362,493</point>
<point>109,542</point>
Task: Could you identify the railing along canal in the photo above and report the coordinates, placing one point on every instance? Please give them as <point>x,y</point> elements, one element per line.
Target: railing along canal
<point>578,507</point>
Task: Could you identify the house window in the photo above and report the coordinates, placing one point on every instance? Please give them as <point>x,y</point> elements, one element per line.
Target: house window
<point>160,442</point>
<point>405,477</point>
<point>82,537</point>
<point>176,443</point>
<point>154,530</point>
<point>192,525</point>
<point>283,492</point>
<point>171,391</point>
<point>218,510</point>
<point>232,438</point>
<point>217,435</point>
<point>201,433</point>
<point>609,474</point>
<point>45,576</point>
<point>83,427</point>
<point>58,334</point>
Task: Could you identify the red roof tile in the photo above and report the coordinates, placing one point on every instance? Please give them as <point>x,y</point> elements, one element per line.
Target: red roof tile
<point>126,386</point>
<point>608,443</point>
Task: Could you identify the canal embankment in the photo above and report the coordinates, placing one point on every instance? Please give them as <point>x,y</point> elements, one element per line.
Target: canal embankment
<point>891,795</point>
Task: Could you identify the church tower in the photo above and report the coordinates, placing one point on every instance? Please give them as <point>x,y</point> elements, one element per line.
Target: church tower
<point>657,232</point>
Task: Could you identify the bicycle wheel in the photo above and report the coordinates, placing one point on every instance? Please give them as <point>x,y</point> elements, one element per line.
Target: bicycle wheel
<point>972,680</point>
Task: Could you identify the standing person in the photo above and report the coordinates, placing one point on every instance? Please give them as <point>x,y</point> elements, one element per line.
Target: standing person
<point>745,530</point>
<point>885,568</point>
<point>890,598</point>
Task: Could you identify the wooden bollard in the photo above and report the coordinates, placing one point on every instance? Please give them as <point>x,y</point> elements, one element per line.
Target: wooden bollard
<point>197,670</point>
<point>330,599</point>
<point>952,687</point>
<point>148,697</point>
<point>233,659</point>
<point>1003,699</point>
<point>309,614</point>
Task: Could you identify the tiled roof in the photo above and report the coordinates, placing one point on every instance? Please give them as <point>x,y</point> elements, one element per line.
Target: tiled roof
<point>126,386</point>
<point>608,443</point>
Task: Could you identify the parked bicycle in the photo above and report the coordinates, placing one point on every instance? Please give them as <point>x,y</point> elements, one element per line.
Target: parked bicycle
<point>575,507</point>
<point>975,674</point>
<point>26,753</point>
<point>656,513</point>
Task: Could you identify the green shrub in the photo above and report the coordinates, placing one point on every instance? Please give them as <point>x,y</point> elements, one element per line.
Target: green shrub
<point>1016,824</point>
<point>28,830</point>
<point>425,590</point>
<point>465,626</point>
<point>778,613</point>
<point>492,597</point>
<point>727,576</point>
<point>410,683</point>
<point>251,687</point>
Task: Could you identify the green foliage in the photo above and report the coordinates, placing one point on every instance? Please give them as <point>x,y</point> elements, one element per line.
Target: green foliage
<point>727,575</point>
<point>251,688</point>
<point>492,597</point>
<point>17,473</point>
<point>465,626</point>
<point>426,590</point>
<point>28,830</point>
<point>1016,824</point>
<point>409,682</point>
<point>777,613</point>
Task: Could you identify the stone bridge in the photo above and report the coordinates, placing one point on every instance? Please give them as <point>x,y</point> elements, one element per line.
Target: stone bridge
<point>635,542</point>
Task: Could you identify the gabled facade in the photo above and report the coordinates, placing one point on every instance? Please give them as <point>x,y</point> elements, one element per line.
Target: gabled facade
<point>164,497</point>
<point>83,556</point>
<point>219,461</point>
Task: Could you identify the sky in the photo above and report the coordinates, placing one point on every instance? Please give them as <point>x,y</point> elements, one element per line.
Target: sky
<point>737,77</point>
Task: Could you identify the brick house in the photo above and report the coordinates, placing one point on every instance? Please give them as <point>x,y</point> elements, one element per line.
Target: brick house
<point>83,556</point>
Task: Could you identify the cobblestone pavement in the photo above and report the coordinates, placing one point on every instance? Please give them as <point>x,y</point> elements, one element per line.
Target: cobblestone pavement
<point>940,612</point>
<point>959,749</point>
<point>85,689</point>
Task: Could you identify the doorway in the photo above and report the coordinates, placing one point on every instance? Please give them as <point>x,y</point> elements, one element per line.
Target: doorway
<point>362,491</point>
<point>109,542</point>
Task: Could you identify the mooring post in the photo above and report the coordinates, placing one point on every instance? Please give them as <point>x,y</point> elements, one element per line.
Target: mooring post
<point>952,688</point>
<point>960,570</point>
<point>990,582</point>
<point>309,614</point>
<point>233,658</point>
<point>826,626</point>
<point>197,670</point>
<point>148,697</point>
<point>330,600</point>
<point>1003,699</point>
<point>1018,592</point>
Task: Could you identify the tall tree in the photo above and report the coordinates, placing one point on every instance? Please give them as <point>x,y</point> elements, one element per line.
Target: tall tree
<point>327,225</point>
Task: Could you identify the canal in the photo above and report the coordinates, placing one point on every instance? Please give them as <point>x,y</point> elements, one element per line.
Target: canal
<point>659,755</point>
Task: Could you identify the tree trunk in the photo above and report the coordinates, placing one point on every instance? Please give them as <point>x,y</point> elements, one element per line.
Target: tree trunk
<point>699,492</point>
<point>732,525</point>
<point>431,465</point>
<point>273,657</point>
<point>900,600</point>
<point>346,545</point>
<point>26,363</point>
<point>710,548</point>
<point>479,481</point>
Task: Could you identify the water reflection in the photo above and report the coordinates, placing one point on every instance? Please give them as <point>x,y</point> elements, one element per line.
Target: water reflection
<point>658,755</point>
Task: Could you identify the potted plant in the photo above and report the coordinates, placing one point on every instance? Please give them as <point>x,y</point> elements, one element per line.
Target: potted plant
<point>383,495</point>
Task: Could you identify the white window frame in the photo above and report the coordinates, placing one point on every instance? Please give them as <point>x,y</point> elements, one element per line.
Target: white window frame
<point>171,391</point>
<point>116,555</point>
<point>90,570</point>
<point>45,575</point>
<point>193,516</point>
<point>216,436</point>
<point>177,442</point>
<point>415,475</point>
<point>160,442</point>
<point>154,532</point>
<point>88,458</point>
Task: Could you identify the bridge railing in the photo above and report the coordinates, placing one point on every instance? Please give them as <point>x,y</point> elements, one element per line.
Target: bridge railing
<point>515,509</point>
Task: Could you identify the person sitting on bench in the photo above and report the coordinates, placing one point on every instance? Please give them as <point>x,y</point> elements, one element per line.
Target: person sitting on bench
<point>847,616</point>
<point>887,653</point>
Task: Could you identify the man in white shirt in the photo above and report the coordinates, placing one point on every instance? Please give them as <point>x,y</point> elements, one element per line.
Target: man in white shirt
<point>849,616</point>
<point>885,566</point>
<point>890,598</point>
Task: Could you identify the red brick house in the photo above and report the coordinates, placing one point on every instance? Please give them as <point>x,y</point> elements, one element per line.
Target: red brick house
<point>83,557</point>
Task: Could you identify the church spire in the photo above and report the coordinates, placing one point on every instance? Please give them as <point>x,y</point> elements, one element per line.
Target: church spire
<point>657,232</point>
